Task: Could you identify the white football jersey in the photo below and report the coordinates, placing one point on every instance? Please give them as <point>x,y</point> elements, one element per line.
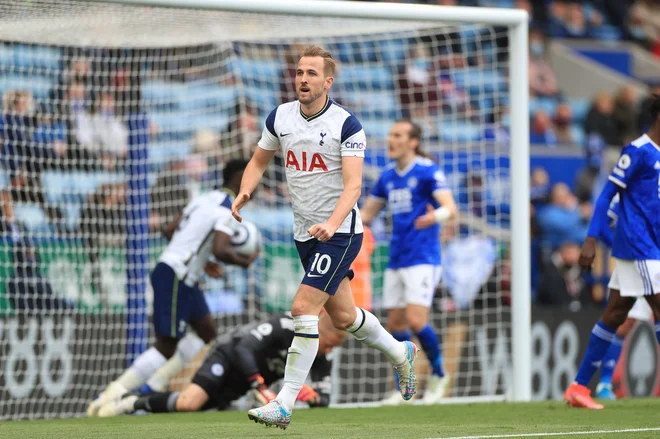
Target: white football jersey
<point>312,147</point>
<point>190,247</point>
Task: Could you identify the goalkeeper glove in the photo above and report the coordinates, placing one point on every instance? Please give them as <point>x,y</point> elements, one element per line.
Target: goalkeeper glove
<point>260,390</point>
<point>310,396</point>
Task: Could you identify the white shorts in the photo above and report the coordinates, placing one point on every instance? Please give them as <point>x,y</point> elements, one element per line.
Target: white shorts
<point>636,278</point>
<point>641,310</point>
<point>410,285</point>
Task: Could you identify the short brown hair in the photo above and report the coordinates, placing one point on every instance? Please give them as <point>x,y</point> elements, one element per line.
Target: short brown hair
<point>329,65</point>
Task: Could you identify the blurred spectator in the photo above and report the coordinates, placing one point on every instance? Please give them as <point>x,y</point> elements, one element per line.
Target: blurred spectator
<point>110,134</point>
<point>645,121</point>
<point>24,158</point>
<point>417,81</point>
<point>562,284</point>
<point>645,24</point>
<point>102,220</point>
<point>169,195</point>
<point>575,24</point>
<point>541,131</point>
<point>539,187</point>
<point>542,80</point>
<point>498,131</point>
<point>599,120</point>
<point>27,287</point>
<point>563,124</point>
<point>561,220</point>
<point>625,116</point>
<point>587,176</point>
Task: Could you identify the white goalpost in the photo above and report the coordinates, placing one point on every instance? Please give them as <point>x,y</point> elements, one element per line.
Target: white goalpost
<point>116,112</point>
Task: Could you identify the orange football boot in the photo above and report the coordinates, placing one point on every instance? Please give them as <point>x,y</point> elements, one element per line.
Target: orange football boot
<point>578,395</point>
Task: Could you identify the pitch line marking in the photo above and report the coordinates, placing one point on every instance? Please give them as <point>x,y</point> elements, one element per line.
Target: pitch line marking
<point>566,433</point>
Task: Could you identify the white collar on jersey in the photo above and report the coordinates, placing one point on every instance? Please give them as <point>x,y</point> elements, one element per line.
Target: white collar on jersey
<point>404,171</point>
<point>647,139</point>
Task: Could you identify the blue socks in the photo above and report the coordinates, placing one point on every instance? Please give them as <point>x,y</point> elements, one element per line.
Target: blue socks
<point>599,342</point>
<point>431,346</point>
<point>610,359</point>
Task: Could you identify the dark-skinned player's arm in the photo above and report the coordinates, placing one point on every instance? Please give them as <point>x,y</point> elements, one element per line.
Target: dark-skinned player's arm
<point>599,222</point>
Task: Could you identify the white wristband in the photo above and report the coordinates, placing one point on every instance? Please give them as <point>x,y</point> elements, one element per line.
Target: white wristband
<point>442,214</point>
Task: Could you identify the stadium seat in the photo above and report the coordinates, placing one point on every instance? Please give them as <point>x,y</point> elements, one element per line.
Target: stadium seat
<point>549,105</point>
<point>162,153</point>
<point>393,51</point>
<point>264,100</point>
<point>479,80</point>
<point>376,130</point>
<point>580,107</point>
<point>459,132</point>
<point>207,96</point>
<point>74,187</point>
<point>365,77</point>
<point>258,73</point>
<point>37,57</point>
<point>356,52</point>
<point>39,86</point>
<point>31,216</point>
<point>160,95</point>
<point>374,105</point>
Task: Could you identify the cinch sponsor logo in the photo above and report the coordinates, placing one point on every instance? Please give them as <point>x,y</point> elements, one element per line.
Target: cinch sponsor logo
<point>354,145</point>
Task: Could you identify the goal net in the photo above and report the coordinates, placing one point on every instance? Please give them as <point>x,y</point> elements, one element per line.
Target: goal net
<point>114,116</point>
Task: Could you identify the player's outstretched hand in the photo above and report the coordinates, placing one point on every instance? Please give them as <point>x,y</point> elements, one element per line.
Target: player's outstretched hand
<point>427,220</point>
<point>588,253</point>
<point>238,204</point>
<point>323,232</point>
<point>214,270</point>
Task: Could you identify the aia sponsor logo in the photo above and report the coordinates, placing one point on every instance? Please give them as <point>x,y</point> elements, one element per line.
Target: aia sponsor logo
<point>304,162</point>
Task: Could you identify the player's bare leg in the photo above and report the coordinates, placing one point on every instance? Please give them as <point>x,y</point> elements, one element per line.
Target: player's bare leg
<point>578,394</point>
<point>192,399</point>
<point>365,327</point>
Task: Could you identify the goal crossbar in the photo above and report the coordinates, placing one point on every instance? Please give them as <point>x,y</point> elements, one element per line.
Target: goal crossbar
<point>517,22</point>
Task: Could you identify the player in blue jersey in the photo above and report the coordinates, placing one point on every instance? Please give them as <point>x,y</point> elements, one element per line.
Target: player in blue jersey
<point>640,311</point>
<point>324,148</point>
<point>415,191</point>
<point>635,247</point>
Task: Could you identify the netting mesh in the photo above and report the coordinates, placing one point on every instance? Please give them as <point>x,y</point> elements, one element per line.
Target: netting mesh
<point>115,116</point>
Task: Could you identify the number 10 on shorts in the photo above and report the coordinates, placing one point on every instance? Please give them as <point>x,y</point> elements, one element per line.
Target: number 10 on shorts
<point>321,264</point>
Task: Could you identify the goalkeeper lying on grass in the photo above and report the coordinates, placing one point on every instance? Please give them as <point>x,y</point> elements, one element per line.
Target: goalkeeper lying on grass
<point>250,358</point>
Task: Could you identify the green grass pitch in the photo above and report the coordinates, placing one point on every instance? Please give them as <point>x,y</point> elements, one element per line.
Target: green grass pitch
<point>533,420</point>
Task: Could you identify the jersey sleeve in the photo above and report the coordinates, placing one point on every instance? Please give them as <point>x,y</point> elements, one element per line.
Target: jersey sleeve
<point>353,140</point>
<point>224,221</point>
<point>379,191</point>
<point>437,182</point>
<point>627,166</point>
<point>274,333</point>
<point>269,140</point>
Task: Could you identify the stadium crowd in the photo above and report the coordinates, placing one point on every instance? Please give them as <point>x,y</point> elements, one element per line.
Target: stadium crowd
<point>80,127</point>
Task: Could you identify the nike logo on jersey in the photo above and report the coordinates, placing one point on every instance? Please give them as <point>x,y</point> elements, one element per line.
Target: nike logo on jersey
<point>284,135</point>
<point>313,275</point>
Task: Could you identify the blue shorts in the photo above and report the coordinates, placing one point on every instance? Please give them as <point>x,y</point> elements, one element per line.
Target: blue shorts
<point>327,263</point>
<point>175,303</point>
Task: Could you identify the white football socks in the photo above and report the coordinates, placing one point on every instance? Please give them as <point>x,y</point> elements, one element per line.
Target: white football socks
<point>188,347</point>
<point>368,330</point>
<point>302,354</point>
<point>142,369</point>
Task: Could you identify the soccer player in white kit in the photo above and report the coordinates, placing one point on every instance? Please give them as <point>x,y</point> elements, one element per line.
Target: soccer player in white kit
<point>323,145</point>
<point>203,229</point>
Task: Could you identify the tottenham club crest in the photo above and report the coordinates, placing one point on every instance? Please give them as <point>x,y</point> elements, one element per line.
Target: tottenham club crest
<point>322,136</point>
